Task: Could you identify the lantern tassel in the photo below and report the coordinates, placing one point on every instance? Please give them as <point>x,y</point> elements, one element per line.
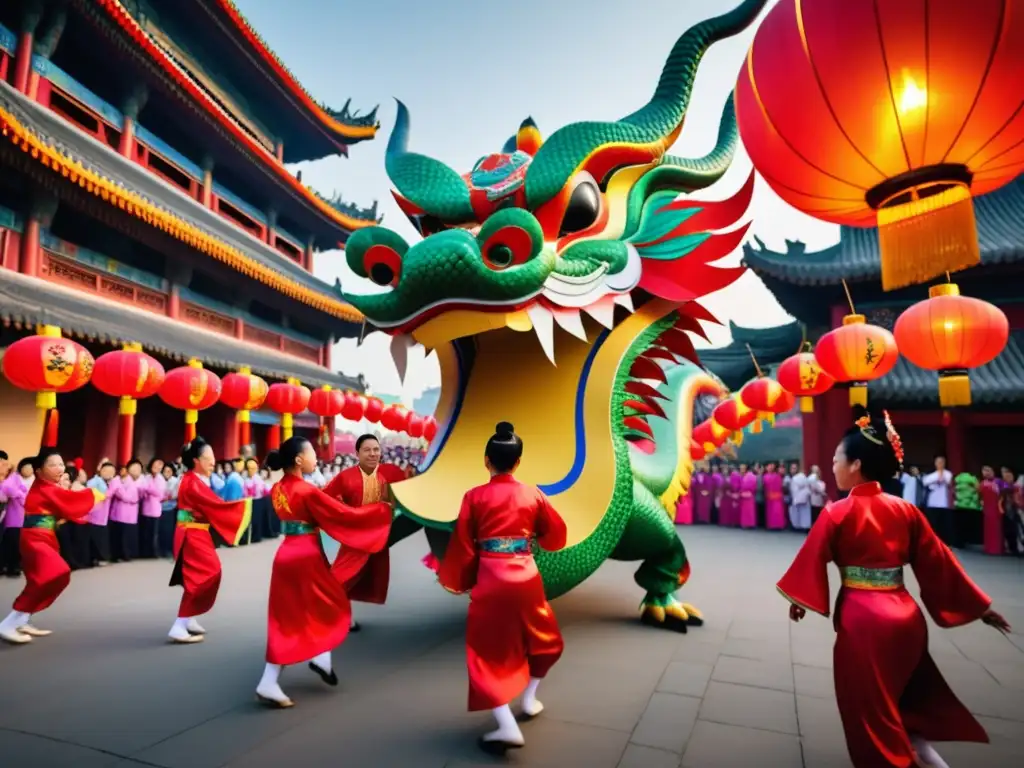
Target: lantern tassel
<point>51,428</point>
<point>273,437</point>
<point>755,427</point>
<point>954,389</point>
<point>924,238</point>
<point>737,438</point>
<point>287,426</point>
<point>126,429</point>
<point>806,405</point>
<point>244,419</point>
<point>859,395</point>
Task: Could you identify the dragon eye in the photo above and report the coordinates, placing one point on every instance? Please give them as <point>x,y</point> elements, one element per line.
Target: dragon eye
<point>583,209</point>
<point>383,265</point>
<point>507,247</point>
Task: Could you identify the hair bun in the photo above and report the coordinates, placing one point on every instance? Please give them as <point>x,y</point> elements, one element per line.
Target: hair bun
<point>504,430</point>
<point>274,461</point>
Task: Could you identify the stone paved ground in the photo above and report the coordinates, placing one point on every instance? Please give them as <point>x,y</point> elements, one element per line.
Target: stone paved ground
<point>748,689</point>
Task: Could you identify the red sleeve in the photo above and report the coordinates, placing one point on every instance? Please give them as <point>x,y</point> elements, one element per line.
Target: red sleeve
<point>336,487</point>
<point>806,581</point>
<point>458,567</point>
<point>229,518</point>
<point>363,528</point>
<point>391,473</point>
<point>63,503</point>
<point>550,526</point>
<point>947,591</point>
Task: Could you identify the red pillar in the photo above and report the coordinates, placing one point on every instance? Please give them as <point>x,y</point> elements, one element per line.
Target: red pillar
<point>23,61</point>
<point>30,246</point>
<point>206,196</point>
<point>273,437</point>
<point>100,439</point>
<point>328,348</point>
<point>174,302</point>
<point>328,449</point>
<point>231,444</point>
<point>127,145</point>
<point>279,151</point>
<point>125,437</point>
<point>307,256</point>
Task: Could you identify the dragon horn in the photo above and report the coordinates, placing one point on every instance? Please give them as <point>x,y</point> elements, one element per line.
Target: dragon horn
<point>427,183</point>
<point>689,174</point>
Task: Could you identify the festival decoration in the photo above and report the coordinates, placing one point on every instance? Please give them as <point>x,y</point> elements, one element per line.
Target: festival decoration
<point>373,409</point>
<point>430,429</point>
<point>951,334</point>
<point>891,114</point>
<point>47,365</point>
<point>733,414</point>
<point>697,451</point>
<point>395,418</point>
<point>245,393</point>
<point>354,407</point>
<point>802,376</point>
<point>326,403</point>
<point>856,353</point>
<point>710,435</point>
<point>414,426</point>
<point>573,231</point>
<point>190,388</point>
<point>131,375</point>
<point>287,398</point>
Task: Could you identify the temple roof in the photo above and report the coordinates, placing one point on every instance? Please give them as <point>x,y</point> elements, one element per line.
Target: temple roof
<point>732,363</point>
<point>31,302</point>
<point>855,258</point>
<point>997,384</point>
<point>80,159</point>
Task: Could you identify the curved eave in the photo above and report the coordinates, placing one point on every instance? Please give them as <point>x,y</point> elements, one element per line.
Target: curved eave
<point>134,204</point>
<point>342,132</point>
<point>142,43</point>
<point>733,363</point>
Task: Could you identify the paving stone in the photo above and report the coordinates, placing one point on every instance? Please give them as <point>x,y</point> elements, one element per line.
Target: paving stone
<point>765,650</point>
<point>814,681</point>
<point>698,651</point>
<point>716,745</point>
<point>685,678</point>
<point>760,674</point>
<point>749,707</point>
<point>637,756</point>
<point>667,721</point>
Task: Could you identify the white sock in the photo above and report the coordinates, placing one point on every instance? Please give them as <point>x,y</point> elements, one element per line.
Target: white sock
<point>322,661</point>
<point>14,620</point>
<point>269,687</point>
<point>530,704</point>
<point>191,625</point>
<point>508,729</point>
<point>926,753</point>
<point>180,628</point>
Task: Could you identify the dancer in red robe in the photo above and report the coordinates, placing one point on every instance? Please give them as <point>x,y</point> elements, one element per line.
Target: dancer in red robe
<point>366,575</point>
<point>512,637</point>
<point>196,565</point>
<point>309,612</point>
<point>891,695</point>
<point>47,505</point>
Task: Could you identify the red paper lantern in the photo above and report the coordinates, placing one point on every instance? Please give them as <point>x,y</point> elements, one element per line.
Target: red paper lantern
<point>951,334</point>
<point>415,425</point>
<point>697,451</point>
<point>395,418</point>
<point>131,375</point>
<point>733,414</point>
<point>374,409</point>
<point>710,435</point>
<point>802,376</point>
<point>857,353</point>
<point>242,391</point>
<point>287,399</point>
<point>326,402</point>
<point>354,407</point>
<point>890,113</point>
<point>190,388</point>
<point>430,429</point>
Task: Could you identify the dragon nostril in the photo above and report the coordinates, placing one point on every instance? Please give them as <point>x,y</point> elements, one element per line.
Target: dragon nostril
<point>500,255</point>
<point>382,274</point>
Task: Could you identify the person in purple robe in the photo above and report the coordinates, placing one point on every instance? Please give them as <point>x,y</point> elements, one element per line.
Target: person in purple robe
<point>151,497</point>
<point>684,508</point>
<point>124,513</point>
<point>732,500</point>
<point>747,508</point>
<point>702,490</point>
<point>774,504</point>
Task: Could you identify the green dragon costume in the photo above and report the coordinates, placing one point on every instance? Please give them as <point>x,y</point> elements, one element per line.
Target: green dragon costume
<point>583,239</point>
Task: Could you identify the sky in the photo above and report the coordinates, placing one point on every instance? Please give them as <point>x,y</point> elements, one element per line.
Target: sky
<point>470,72</point>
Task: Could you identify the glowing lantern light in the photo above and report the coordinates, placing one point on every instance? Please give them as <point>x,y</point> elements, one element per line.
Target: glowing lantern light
<point>190,388</point>
<point>893,114</point>
<point>802,376</point>
<point>951,334</point>
<point>131,375</point>
<point>245,393</point>
<point>857,353</point>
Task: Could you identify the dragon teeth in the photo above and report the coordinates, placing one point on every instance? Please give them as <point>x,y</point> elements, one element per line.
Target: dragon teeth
<point>544,327</point>
<point>400,346</point>
<point>569,320</point>
<point>603,311</point>
<point>625,300</point>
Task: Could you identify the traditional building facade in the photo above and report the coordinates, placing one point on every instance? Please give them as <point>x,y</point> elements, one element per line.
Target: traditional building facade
<point>809,286</point>
<point>144,197</point>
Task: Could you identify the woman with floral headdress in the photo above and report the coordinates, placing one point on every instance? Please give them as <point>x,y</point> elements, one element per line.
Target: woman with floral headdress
<point>892,698</point>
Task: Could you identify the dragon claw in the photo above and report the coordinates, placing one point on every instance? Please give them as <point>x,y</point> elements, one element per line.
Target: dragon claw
<point>665,612</point>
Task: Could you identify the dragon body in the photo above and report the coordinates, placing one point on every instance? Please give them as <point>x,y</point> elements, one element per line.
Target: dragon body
<point>557,283</point>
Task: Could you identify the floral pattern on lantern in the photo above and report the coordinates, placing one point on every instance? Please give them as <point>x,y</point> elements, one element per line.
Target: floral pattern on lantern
<point>856,353</point>
<point>951,334</point>
<point>802,376</point>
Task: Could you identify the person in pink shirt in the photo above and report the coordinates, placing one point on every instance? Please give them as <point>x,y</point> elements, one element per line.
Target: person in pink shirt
<point>152,489</point>
<point>124,513</point>
<point>731,499</point>
<point>13,491</point>
<point>99,536</point>
<point>774,504</point>
<point>684,509</point>
<point>748,503</point>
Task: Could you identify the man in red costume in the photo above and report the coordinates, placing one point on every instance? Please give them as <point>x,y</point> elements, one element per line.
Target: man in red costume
<point>366,483</point>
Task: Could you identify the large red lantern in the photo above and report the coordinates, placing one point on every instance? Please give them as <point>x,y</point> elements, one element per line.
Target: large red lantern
<point>767,397</point>
<point>47,365</point>
<point>697,451</point>
<point>802,376</point>
<point>430,429</point>
<point>857,353</point>
<point>733,414</point>
<point>244,393</point>
<point>415,425</point>
<point>354,407</point>
<point>951,334</point>
<point>288,399</point>
<point>395,418</point>
<point>374,409</point>
<point>190,388</point>
<point>888,113</point>
<point>327,403</point>
<point>710,435</point>
<point>131,375</point>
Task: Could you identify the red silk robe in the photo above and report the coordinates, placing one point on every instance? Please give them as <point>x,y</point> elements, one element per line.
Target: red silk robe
<point>886,682</point>
<point>511,631</point>
<point>46,573</point>
<point>365,575</point>
<point>309,612</point>
<point>197,567</point>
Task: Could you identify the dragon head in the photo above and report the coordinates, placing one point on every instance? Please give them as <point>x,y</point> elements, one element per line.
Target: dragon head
<point>533,235</point>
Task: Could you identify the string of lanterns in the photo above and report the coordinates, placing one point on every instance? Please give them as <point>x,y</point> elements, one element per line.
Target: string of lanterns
<point>48,364</point>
